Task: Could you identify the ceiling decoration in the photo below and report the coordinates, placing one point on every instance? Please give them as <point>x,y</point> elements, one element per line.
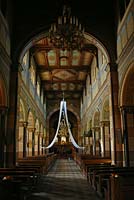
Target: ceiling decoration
<point>62,70</point>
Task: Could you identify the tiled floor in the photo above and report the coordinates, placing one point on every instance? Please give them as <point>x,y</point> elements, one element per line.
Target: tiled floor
<point>64,182</point>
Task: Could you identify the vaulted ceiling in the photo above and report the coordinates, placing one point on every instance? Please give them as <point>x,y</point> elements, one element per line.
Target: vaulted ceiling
<point>62,70</point>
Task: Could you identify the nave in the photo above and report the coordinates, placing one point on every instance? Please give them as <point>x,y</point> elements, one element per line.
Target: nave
<point>64,181</point>
<point>81,52</point>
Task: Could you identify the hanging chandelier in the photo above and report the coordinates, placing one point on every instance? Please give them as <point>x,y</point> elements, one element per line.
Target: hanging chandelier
<point>67,33</point>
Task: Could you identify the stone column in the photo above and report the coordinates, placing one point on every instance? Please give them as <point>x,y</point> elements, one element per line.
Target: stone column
<point>39,144</point>
<point>30,141</point>
<point>3,128</point>
<point>12,116</point>
<point>91,145</point>
<point>125,136</point>
<point>94,141</point>
<point>33,141</point>
<point>42,145</point>
<point>97,138</point>
<point>102,138</point>
<point>36,142</point>
<point>25,139</point>
<point>105,138</point>
<point>22,137</point>
<point>115,120</point>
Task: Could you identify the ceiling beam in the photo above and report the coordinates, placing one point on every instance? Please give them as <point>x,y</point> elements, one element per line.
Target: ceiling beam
<point>42,68</point>
<point>60,90</point>
<point>64,81</point>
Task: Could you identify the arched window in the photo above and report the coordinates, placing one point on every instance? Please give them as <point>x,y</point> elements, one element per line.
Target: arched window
<point>24,61</point>
<point>38,86</point>
<point>94,71</point>
<point>32,75</point>
<point>42,98</point>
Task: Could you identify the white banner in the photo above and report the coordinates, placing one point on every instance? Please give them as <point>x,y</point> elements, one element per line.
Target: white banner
<point>63,109</point>
<point>53,141</point>
<point>70,134</point>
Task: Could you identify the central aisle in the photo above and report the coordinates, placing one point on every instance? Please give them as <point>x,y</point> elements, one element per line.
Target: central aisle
<point>64,182</point>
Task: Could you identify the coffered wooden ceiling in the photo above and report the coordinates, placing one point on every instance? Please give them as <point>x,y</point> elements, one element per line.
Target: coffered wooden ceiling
<point>62,70</point>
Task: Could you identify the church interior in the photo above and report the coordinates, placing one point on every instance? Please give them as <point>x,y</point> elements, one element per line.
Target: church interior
<point>66,106</point>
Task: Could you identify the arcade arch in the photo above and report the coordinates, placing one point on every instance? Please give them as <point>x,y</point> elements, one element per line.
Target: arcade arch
<point>126,99</point>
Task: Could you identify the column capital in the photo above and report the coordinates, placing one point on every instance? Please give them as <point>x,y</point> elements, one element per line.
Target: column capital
<point>96,128</point>
<point>104,123</point>
<point>31,129</point>
<point>23,124</point>
<point>37,132</point>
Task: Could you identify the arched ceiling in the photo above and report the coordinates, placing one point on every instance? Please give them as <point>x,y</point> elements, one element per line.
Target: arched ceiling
<point>62,70</point>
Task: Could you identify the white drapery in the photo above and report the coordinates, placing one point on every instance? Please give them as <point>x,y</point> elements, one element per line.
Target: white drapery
<point>69,131</point>
<point>53,141</point>
<point>63,109</point>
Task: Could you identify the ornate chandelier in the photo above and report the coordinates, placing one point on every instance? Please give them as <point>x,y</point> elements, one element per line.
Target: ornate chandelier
<point>63,130</point>
<point>68,33</point>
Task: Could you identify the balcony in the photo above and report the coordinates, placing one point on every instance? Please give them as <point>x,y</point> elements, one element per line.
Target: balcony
<point>125,29</point>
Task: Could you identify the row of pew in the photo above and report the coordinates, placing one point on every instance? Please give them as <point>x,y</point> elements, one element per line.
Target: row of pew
<point>19,181</point>
<point>111,182</point>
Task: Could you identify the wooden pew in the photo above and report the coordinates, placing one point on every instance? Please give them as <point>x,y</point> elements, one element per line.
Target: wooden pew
<point>122,186</point>
<point>80,157</point>
<point>92,168</point>
<point>25,175</point>
<point>45,162</point>
<point>22,170</point>
<point>101,179</point>
<point>87,163</point>
<point>33,163</point>
<point>16,182</point>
